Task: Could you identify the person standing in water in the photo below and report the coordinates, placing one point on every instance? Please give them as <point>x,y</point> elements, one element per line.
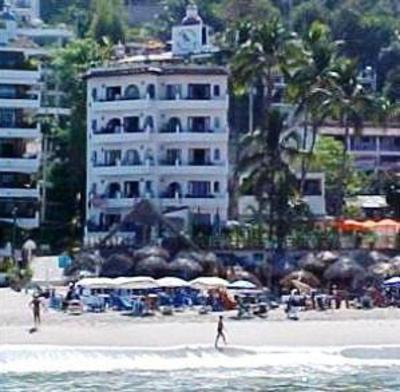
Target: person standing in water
<point>36,305</point>
<point>220,331</point>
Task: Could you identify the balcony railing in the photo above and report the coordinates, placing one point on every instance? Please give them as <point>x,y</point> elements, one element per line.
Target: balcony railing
<point>364,147</point>
<point>20,125</point>
<point>117,130</point>
<point>27,96</point>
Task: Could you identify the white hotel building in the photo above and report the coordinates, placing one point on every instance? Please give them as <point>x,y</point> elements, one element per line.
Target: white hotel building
<point>157,130</point>
<point>20,137</point>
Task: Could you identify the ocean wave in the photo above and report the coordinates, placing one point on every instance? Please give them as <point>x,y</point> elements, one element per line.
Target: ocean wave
<point>32,359</point>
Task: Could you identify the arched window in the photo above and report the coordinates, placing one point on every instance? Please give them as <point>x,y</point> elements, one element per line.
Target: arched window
<point>174,125</point>
<point>174,189</point>
<point>114,190</point>
<point>113,126</point>
<point>132,92</point>
<point>149,122</point>
<point>149,156</point>
<point>151,91</point>
<point>132,158</point>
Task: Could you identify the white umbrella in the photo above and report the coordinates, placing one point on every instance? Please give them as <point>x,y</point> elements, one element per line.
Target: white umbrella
<point>242,285</point>
<point>171,282</point>
<point>209,282</point>
<point>96,283</point>
<point>138,283</point>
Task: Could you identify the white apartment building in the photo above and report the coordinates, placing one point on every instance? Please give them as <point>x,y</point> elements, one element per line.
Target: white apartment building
<point>158,130</point>
<point>20,137</point>
<point>23,97</point>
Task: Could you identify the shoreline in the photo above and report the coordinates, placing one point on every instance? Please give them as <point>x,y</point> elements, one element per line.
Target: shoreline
<point>112,329</point>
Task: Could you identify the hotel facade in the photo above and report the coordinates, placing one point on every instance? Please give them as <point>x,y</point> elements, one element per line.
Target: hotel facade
<point>158,130</point>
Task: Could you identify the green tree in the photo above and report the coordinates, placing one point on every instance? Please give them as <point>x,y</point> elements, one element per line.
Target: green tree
<point>327,158</point>
<point>264,166</point>
<point>107,21</point>
<point>307,13</point>
<point>68,164</point>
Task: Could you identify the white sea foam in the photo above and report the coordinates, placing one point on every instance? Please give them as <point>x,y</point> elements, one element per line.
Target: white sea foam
<point>27,359</point>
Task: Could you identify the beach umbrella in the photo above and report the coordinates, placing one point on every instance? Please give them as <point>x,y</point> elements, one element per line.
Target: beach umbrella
<point>387,224</point>
<point>303,276</point>
<point>149,251</point>
<point>310,262</point>
<point>327,257</point>
<point>303,288</point>
<point>242,285</point>
<point>367,258</point>
<point>152,266</point>
<point>345,268</point>
<point>239,273</point>
<point>392,282</point>
<point>96,283</point>
<point>209,282</point>
<point>118,264</point>
<point>185,268</point>
<point>172,282</point>
<point>384,270</point>
<point>138,283</point>
<point>395,260</point>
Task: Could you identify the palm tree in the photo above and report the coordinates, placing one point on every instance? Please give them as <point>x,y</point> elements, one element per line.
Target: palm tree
<point>349,103</point>
<point>306,86</point>
<point>261,51</point>
<point>264,165</point>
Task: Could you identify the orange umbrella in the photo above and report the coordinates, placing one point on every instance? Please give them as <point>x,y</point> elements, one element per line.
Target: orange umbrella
<point>387,224</point>
<point>369,225</point>
<point>351,225</point>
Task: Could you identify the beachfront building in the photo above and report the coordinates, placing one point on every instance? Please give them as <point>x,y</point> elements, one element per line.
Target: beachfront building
<point>20,137</point>
<point>22,97</point>
<point>158,130</point>
<point>376,148</point>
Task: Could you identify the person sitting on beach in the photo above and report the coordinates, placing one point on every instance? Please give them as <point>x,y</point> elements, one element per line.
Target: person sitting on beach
<point>36,305</point>
<point>220,331</point>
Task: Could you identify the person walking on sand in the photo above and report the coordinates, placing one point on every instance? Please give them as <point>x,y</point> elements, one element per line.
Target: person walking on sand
<point>36,305</point>
<point>220,331</point>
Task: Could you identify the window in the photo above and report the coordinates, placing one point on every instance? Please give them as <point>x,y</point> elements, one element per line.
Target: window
<point>131,124</point>
<point>216,90</point>
<point>312,188</point>
<point>151,91</point>
<point>199,189</point>
<point>199,124</point>
<point>216,123</point>
<point>94,94</point>
<point>204,36</point>
<point>111,157</point>
<point>217,154</point>
<point>173,91</point>
<point>113,93</point>
<point>131,189</point>
<point>132,92</point>
<point>216,187</point>
<point>94,125</point>
<point>199,91</point>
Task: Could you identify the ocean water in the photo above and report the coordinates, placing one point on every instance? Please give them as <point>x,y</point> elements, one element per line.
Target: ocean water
<point>56,368</point>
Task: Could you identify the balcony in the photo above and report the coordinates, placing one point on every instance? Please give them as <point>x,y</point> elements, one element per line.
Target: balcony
<point>123,104</point>
<point>188,135</point>
<point>27,76</point>
<point>9,192</point>
<point>28,101</point>
<point>24,165</point>
<point>182,104</point>
<point>121,135</point>
<point>20,130</point>
<point>196,169</point>
<point>390,145</point>
<point>207,201</point>
<point>120,168</point>
<point>363,147</point>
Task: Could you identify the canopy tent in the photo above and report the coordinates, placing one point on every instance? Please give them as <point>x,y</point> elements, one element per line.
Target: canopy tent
<point>209,282</point>
<point>242,285</point>
<point>96,283</point>
<point>138,283</point>
<point>172,282</point>
<point>353,225</point>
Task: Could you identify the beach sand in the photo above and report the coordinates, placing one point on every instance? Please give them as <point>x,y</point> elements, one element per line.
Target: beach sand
<point>330,328</point>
